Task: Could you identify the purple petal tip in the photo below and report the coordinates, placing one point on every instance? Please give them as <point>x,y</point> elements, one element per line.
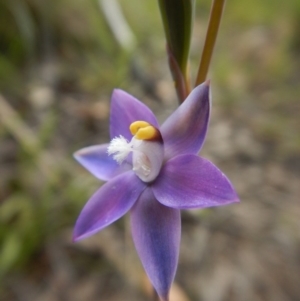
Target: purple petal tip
<point>161,298</point>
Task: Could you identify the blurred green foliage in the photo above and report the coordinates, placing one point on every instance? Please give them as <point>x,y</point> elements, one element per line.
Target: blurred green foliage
<point>258,51</point>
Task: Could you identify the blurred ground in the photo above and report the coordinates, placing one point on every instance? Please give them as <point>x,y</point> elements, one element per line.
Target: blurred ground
<point>58,65</point>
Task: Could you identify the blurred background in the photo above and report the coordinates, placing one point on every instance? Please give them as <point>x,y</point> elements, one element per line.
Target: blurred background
<point>59,62</point>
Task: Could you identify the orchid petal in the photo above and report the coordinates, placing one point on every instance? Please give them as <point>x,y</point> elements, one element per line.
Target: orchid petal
<point>125,109</point>
<point>184,131</point>
<point>96,160</point>
<point>188,181</point>
<point>156,233</point>
<point>108,204</point>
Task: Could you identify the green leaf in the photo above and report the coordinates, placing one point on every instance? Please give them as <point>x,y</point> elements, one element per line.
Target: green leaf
<point>10,252</point>
<point>177,18</point>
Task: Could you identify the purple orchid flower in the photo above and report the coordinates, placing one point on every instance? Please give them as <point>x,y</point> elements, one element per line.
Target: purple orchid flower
<point>153,172</point>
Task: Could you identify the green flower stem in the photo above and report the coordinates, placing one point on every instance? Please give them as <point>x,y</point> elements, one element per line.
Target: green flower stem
<point>211,35</point>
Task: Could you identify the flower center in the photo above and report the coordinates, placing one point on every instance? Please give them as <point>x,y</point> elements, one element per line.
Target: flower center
<point>146,147</point>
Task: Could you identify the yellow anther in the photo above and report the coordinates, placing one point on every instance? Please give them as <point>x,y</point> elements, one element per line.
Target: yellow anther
<point>135,126</point>
<point>143,130</point>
